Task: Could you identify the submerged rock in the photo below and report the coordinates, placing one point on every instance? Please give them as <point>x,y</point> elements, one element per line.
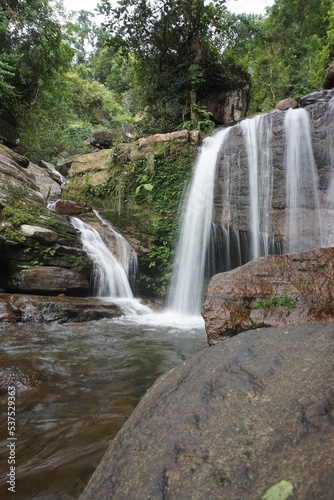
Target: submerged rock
<point>233,421</point>
<point>21,374</point>
<point>302,283</point>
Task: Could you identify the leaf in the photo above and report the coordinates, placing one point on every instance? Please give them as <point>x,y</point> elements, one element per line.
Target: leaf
<point>148,187</point>
<point>280,491</point>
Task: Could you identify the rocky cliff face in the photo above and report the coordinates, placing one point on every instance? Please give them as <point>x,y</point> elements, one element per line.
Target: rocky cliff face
<point>269,152</point>
<point>40,250</point>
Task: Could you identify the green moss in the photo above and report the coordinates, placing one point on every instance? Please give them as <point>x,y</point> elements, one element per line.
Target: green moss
<point>284,301</point>
<point>280,491</point>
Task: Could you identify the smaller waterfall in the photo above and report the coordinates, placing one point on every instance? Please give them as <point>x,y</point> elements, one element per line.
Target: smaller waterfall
<point>303,208</point>
<point>124,252</point>
<point>109,277</point>
<point>186,292</point>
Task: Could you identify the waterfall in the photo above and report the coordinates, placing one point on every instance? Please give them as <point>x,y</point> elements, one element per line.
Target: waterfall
<point>186,293</point>
<point>124,252</point>
<point>109,276</point>
<point>257,132</point>
<point>303,221</point>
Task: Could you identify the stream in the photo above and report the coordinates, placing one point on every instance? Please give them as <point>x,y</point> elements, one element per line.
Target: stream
<point>97,373</point>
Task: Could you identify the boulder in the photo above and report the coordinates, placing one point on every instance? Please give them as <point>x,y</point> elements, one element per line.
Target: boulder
<point>104,139</point>
<point>328,82</point>
<point>61,309</point>
<point>39,233</point>
<point>227,107</point>
<point>231,422</point>
<point>271,291</point>
<point>286,104</point>
<point>94,166</point>
<point>49,280</point>
<point>69,207</point>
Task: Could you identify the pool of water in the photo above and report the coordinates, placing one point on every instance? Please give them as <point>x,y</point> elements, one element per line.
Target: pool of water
<point>97,373</point>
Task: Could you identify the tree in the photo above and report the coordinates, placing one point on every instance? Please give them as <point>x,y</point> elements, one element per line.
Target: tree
<point>176,44</point>
<point>32,49</point>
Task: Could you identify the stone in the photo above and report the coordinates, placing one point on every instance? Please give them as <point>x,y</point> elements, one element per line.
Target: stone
<point>328,82</point>
<point>231,422</point>
<point>307,278</point>
<point>59,309</point>
<point>93,165</point>
<point>180,134</point>
<point>49,188</point>
<point>39,233</point>
<point>104,139</point>
<point>286,104</point>
<point>49,280</point>
<point>69,207</point>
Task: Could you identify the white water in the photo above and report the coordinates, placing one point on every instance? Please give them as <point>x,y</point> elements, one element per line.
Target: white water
<point>109,277</point>
<point>303,221</point>
<point>125,253</point>
<point>186,292</point>
<point>257,132</point>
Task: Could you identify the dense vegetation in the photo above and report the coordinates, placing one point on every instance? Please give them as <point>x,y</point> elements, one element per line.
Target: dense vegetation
<point>64,77</point>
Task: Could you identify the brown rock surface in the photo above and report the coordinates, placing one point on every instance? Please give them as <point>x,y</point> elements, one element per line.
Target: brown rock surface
<point>307,278</point>
<point>51,280</point>
<point>286,104</point>
<point>231,422</point>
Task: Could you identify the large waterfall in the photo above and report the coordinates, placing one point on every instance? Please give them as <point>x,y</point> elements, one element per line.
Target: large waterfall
<point>256,189</point>
<point>187,282</point>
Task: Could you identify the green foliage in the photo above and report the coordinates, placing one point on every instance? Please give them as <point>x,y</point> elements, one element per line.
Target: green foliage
<point>201,121</point>
<point>288,51</point>
<point>284,301</point>
<point>176,61</point>
<point>280,491</point>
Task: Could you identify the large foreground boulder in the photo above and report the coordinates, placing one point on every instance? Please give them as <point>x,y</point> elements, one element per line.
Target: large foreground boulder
<point>271,291</point>
<point>231,422</point>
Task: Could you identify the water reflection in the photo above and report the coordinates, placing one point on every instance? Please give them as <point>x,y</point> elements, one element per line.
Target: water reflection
<point>98,371</point>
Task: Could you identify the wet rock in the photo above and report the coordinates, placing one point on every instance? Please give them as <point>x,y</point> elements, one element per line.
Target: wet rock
<point>286,104</point>
<point>21,374</point>
<point>303,283</point>
<point>231,422</point>
<point>61,309</point>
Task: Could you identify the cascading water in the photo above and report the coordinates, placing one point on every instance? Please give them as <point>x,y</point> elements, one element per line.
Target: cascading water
<point>124,251</point>
<point>303,221</point>
<point>187,282</point>
<point>257,132</point>
<point>109,277</point>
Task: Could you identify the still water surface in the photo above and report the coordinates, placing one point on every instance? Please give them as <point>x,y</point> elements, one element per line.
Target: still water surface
<point>98,371</point>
